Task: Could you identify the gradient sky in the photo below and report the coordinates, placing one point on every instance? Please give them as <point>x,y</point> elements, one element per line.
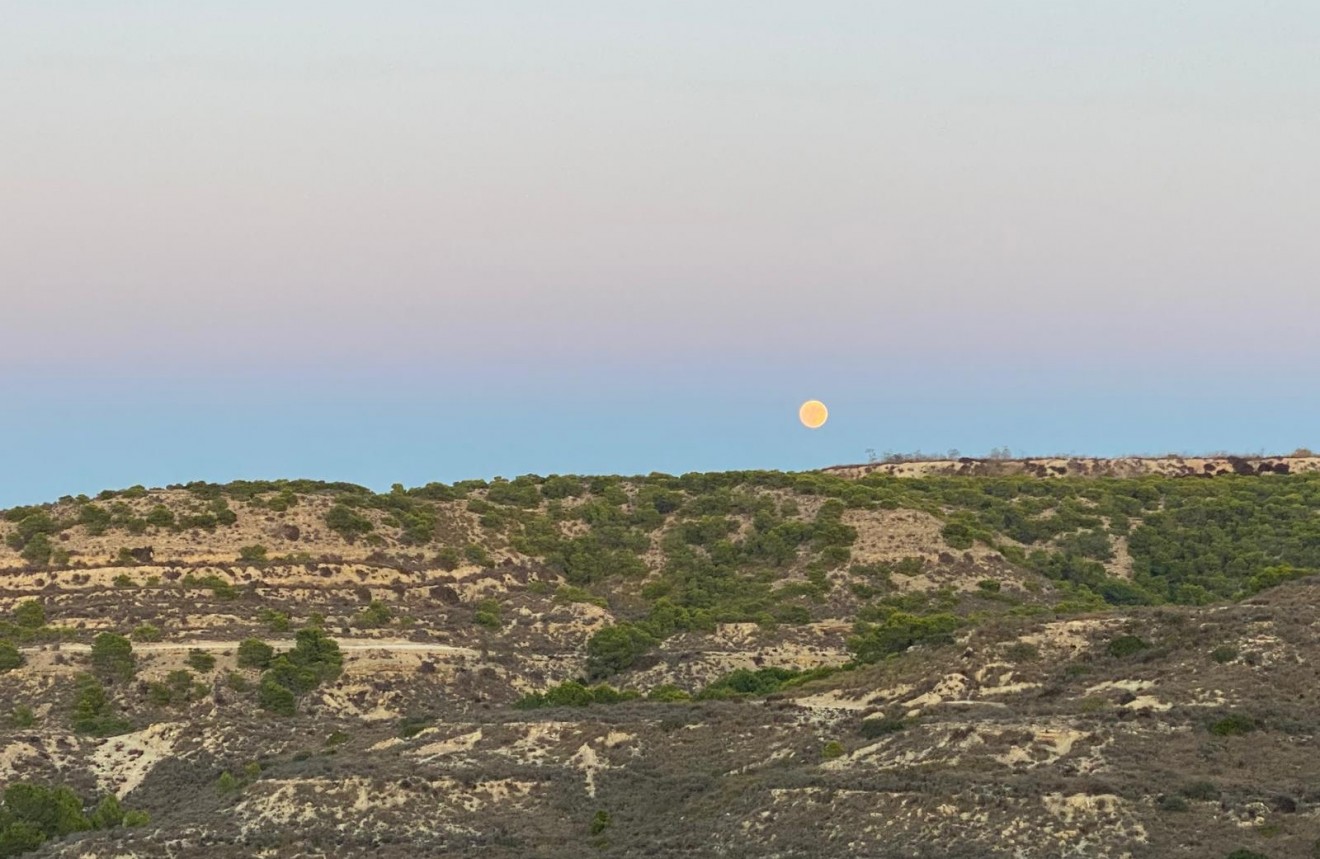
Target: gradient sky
<point>418,241</point>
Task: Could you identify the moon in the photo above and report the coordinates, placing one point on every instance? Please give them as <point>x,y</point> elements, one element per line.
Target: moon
<point>813,414</point>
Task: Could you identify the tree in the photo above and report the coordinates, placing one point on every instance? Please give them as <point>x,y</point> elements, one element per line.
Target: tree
<point>10,657</point>
<point>112,657</point>
<point>615,648</point>
<point>276,698</point>
<point>93,712</point>
<point>53,811</point>
<point>254,653</point>
<point>349,524</point>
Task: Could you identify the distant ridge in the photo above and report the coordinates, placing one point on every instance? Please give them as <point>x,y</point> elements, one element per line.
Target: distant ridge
<point>1047,467</point>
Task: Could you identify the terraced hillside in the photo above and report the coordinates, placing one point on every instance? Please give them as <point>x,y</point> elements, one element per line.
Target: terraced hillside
<point>740,664</point>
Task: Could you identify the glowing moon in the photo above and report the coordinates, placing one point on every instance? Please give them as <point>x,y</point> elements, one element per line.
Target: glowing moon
<point>813,414</point>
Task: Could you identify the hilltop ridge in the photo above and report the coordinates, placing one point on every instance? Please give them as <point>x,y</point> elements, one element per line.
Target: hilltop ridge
<point>1217,465</point>
<point>967,665</point>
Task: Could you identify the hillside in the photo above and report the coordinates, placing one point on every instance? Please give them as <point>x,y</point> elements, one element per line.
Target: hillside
<point>759,664</point>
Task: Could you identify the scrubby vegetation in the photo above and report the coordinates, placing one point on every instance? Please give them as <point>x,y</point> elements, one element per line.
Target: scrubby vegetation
<point>32,814</point>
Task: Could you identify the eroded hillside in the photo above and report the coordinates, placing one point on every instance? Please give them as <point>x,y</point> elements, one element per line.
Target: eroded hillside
<point>747,664</point>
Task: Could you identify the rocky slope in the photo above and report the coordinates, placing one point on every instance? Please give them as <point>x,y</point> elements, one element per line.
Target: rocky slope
<point>984,705</point>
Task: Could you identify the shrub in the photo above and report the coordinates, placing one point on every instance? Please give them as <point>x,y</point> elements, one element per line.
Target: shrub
<point>600,822</point>
<point>573,694</point>
<point>374,615</point>
<point>989,586</point>
<point>161,516</point>
<point>1126,645</point>
<point>1232,725</point>
<point>1172,802</point>
<point>833,749</point>
<point>136,817</point>
<point>276,621</point>
<point>1022,651</point>
<point>879,726</point>
<point>488,614</point>
<point>177,689</point>
<point>109,813</point>
<point>668,692</point>
<point>147,632</point>
<point>615,648</point>
<point>123,580</point>
<point>254,653</point>
<point>93,712</point>
<point>237,682</point>
<point>112,657</point>
<point>900,631</point>
<point>1224,653</point>
<point>227,783</point>
<point>10,657</point>
<point>252,554</point>
<point>53,812</point>
<point>22,716</point>
<point>347,522</point>
<point>958,535</point>
<point>276,698</point>
<point>200,660</point>
<point>213,583</point>
<point>477,555</point>
<point>29,614</point>
<point>1201,790</point>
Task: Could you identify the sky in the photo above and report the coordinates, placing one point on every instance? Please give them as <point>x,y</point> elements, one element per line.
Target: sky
<point>407,241</point>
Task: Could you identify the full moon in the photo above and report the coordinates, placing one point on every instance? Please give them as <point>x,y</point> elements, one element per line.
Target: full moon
<point>813,414</point>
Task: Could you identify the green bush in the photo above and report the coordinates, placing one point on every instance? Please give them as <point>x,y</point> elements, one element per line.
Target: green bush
<point>1126,645</point>
<point>200,660</point>
<point>574,694</point>
<point>347,522</point>
<point>276,621</point>
<point>29,614</point>
<point>161,517</point>
<point>93,713</point>
<point>898,632</point>
<point>488,614</point>
<point>22,716</point>
<point>254,653</point>
<point>177,689</point>
<point>112,657</point>
<point>1200,790</point>
<point>252,554</point>
<point>1173,802</point>
<point>10,657</point>
<point>879,726</point>
<point>615,648</point>
<point>600,822</point>
<point>958,535</point>
<point>314,659</point>
<point>1224,653</point>
<point>833,749</point>
<point>989,586</point>
<point>376,614</point>
<point>218,586</point>
<point>147,632</point>
<point>276,698</point>
<point>1232,725</point>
